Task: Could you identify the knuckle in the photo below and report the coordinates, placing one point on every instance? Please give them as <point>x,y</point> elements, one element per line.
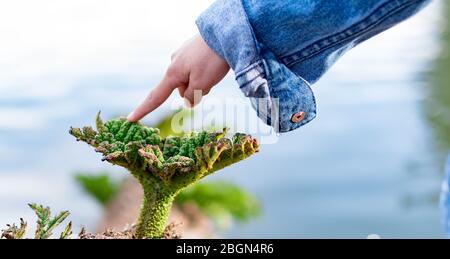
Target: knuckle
<point>174,55</point>
<point>172,70</point>
<point>173,73</point>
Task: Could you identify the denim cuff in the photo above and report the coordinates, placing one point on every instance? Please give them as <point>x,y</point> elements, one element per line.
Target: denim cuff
<point>290,103</point>
<point>282,99</point>
<point>225,28</point>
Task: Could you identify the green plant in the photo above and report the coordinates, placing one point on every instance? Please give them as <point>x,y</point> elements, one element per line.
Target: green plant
<point>101,187</point>
<point>45,224</point>
<point>14,232</point>
<point>221,201</point>
<point>163,166</point>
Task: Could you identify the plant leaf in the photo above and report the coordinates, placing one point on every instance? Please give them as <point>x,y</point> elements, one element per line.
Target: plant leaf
<point>43,215</point>
<point>221,200</point>
<point>21,231</point>
<point>52,224</point>
<point>101,187</point>
<point>67,231</point>
<point>45,225</point>
<point>14,232</point>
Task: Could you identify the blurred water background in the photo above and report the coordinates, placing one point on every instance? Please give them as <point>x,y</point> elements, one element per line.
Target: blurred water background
<point>371,163</point>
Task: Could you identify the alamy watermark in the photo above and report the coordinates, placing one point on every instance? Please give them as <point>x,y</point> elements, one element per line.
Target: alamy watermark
<point>236,114</point>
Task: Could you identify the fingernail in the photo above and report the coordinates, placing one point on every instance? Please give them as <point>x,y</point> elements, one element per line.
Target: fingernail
<point>130,116</point>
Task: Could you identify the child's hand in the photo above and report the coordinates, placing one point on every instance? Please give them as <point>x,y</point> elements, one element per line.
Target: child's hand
<point>194,67</point>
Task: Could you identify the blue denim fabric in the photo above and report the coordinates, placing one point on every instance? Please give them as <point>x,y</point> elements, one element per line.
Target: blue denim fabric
<point>278,48</point>
<point>445,198</point>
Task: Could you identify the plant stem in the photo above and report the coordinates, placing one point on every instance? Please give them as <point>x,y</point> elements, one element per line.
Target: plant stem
<point>155,207</point>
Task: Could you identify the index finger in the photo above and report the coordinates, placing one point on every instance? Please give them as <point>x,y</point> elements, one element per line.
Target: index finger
<point>154,99</point>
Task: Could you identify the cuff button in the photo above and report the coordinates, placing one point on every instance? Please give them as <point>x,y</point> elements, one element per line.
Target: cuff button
<point>298,117</point>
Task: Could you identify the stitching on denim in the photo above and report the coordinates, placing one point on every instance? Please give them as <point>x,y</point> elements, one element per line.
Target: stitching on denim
<point>247,82</point>
<point>252,66</point>
<point>255,87</point>
<point>242,79</point>
<point>347,34</point>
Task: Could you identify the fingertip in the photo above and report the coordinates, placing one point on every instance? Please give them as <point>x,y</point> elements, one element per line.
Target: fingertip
<point>132,117</point>
<point>153,100</point>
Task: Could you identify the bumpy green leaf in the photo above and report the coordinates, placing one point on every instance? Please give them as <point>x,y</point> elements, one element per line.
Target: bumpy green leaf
<point>176,161</point>
<point>163,166</point>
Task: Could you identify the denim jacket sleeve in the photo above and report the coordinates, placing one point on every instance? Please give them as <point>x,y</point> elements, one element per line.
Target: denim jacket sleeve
<point>278,48</point>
